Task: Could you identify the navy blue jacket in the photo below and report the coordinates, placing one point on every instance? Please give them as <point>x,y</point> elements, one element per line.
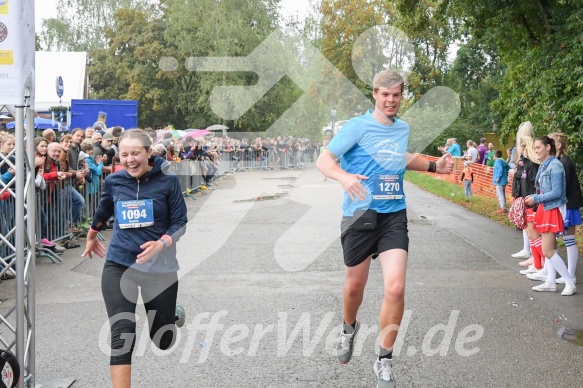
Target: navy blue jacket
<point>170,216</point>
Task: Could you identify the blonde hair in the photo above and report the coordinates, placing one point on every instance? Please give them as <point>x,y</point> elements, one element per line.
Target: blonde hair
<point>524,129</point>
<point>527,145</point>
<point>560,138</point>
<point>4,138</point>
<point>387,79</point>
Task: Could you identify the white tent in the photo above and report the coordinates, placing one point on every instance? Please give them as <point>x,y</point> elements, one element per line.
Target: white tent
<point>71,66</point>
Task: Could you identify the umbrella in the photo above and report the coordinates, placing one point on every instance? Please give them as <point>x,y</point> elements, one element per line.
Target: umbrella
<point>217,127</point>
<point>163,132</point>
<point>39,123</point>
<point>178,133</point>
<point>196,133</point>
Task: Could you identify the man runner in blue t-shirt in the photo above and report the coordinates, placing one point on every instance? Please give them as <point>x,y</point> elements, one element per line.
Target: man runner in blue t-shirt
<point>373,158</point>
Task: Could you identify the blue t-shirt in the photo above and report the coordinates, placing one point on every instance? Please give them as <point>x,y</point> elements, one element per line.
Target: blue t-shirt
<point>369,148</point>
<point>454,150</point>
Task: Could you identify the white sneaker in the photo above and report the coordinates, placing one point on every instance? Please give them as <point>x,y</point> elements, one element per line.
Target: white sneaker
<point>570,289</point>
<point>384,371</point>
<point>539,275</point>
<point>545,287</point>
<point>562,281</point>
<point>531,269</point>
<point>521,255</point>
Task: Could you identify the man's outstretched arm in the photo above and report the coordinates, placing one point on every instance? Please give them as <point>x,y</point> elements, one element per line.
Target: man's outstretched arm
<point>443,165</point>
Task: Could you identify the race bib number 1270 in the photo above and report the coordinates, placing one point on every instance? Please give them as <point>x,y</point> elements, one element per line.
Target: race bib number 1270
<point>387,187</point>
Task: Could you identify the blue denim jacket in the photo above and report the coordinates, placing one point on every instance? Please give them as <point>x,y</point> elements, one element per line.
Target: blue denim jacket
<point>551,182</point>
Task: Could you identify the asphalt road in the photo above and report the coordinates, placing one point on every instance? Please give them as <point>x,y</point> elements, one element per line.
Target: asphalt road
<point>261,282</point>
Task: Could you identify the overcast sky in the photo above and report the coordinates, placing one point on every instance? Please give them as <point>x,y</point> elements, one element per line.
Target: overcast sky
<point>45,9</point>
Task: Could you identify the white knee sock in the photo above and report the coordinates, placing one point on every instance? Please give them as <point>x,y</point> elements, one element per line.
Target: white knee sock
<point>558,264</point>
<point>550,272</point>
<point>572,254</point>
<point>525,241</point>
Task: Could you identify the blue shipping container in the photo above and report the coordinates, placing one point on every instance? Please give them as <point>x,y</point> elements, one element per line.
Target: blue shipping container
<point>124,113</point>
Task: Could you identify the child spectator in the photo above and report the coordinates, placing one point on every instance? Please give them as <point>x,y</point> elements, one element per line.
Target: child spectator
<point>500,180</point>
<point>116,164</point>
<point>7,146</point>
<point>95,167</point>
<point>467,178</point>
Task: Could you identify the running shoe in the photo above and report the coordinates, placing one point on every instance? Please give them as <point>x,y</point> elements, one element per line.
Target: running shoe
<point>180,316</point>
<point>384,370</point>
<point>521,255</point>
<point>545,287</point>
<point>539,275</point>
<point>569,289</point>
<point>562,281</point>
<point>346,343</point>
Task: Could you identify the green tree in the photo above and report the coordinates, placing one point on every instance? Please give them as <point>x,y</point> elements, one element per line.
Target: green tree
<point>147,58</point>
<point>433,30</point>
<point>539,46</point>
<point>81,23</point>
<point>343,21</point>
<point>128,68</point>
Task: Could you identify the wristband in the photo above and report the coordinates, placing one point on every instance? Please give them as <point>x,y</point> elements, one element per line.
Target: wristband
<point>164,243</point>
<point>432,167</point>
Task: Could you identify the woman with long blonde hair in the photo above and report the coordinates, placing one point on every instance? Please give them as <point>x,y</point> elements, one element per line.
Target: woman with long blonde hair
<point>525,129</point>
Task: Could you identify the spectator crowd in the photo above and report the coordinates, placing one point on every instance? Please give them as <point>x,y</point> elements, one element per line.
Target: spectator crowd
<point>70,170</point>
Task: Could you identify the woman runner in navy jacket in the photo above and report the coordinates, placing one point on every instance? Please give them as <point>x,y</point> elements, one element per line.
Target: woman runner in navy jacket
<point>150,216</point>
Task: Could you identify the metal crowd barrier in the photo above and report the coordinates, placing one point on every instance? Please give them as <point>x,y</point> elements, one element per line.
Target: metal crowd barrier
<point>189,173</point>
<point>7,235</point>
<point>267,160</point>
<point>54,215</point>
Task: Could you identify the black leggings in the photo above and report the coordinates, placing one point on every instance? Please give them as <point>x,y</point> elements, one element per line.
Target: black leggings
<point>119,286</point>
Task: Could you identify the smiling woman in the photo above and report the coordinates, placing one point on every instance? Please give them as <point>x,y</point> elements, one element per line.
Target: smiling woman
<point>150,216</point>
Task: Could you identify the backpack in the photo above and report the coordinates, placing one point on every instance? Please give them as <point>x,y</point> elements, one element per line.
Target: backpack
<point>517,213</point>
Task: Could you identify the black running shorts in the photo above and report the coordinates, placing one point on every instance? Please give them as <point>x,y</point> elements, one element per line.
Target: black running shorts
<point>390,233</point>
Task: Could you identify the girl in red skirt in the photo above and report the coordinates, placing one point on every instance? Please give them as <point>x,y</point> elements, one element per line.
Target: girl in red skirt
<point>551,198</point>
<point>574,203</point>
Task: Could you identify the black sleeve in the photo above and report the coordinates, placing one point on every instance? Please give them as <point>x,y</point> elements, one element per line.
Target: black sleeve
<point>110,155</point>
<point>462,177</point>
<point>516,182</point>
<point>532,171</point>
<point>568,166</point>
